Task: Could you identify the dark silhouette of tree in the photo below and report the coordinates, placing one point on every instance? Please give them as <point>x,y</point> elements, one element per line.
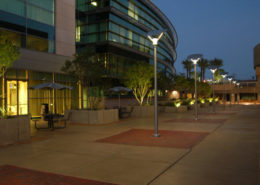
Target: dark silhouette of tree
<point>216,63</point>
<point>203,64</point>
<point>188,66</point>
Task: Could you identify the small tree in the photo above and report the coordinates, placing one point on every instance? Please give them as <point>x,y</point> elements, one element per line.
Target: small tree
<point>89,70</point>
<point>139,78</point>
<point>8,53</point>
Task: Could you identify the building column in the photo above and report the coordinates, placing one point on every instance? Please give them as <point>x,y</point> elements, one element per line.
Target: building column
<point>233,98</point>
<point>238,98</point>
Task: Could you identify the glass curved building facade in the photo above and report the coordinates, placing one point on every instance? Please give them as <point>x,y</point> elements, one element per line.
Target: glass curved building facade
<point>117,30</point>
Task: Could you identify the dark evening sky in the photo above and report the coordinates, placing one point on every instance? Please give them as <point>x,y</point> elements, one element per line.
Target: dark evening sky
<point>225,29</point>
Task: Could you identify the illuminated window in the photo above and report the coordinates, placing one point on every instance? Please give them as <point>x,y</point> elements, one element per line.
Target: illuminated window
<point>12,98</point>
<point>23,98</point>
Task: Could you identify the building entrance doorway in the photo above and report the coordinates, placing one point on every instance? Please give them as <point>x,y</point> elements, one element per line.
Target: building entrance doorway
<point>17,97</point>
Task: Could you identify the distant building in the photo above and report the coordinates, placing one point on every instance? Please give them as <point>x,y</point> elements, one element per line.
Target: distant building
<point>48,32</point>
<point>117,30</point>
<point>45,32</point>
<point>257,67</point>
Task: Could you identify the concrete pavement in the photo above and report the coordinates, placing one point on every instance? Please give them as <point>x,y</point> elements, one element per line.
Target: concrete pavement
<point>229,155</point>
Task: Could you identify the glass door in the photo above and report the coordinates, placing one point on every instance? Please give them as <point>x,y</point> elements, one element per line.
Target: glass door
<point>17,98</point>
<point>23,97</point>
<point>12,98</point>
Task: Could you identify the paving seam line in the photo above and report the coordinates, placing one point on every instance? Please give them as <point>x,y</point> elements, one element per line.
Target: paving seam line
<point>184,155</point>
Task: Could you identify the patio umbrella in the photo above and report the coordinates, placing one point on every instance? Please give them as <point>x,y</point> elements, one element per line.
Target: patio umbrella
<point>120,90</point>
<point>52,86</point>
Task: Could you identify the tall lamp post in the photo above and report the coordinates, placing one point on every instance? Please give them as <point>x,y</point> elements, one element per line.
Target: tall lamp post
<point>224,96</point>
<point>155,36</point>
<point>234,82</point>
<point>238,95</point>
<point>195,58</point>
<point>230,81</point>
<point>213,81</point>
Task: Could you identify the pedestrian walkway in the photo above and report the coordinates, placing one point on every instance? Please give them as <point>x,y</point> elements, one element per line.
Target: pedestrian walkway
<point>228,153</point>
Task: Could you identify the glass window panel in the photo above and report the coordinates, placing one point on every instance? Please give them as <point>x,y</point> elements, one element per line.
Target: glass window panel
<point>13,6</point>
<point>11,98</point>
<point>37,43</point>
<point>103,26</point>
<point>15,37</point>
<point>92,28</point>
<point>39,14</point>
<point>10,74</point>
<point>23,98</point>
<point>47,4</point>
<point>92,38</point>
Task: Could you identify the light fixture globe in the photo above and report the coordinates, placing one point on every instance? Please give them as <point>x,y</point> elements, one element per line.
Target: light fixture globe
<point>155,36</point>
<point>224,76</point>
<point>213,70</point>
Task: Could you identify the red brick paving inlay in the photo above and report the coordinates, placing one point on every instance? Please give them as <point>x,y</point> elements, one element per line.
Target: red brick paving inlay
<point>143,137</point>
<point>12,175</point>
<point>190,120</point>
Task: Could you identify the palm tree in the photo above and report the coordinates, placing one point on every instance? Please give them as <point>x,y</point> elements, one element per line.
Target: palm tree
<point>187,65</point>
<point>216,63</point>
<point>203,64</point>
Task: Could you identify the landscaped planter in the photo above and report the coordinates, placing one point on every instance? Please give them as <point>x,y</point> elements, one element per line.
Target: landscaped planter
<point>13,130</point>
<point>170,109</point>
<point>143,111</point>
<point>94,116</point>
<point>182,108</point>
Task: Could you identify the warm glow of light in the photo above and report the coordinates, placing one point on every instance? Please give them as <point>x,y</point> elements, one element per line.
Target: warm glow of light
<point>192,102</point>
<point>94,3</point>
<point>210,99</point>
<point>23,98</point>
<point>174,93</point>
<point>202,101</point>
<point>177,104</point>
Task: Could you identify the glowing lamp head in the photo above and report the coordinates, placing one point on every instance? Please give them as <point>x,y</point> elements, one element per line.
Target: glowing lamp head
<point>213,70</point>
<point>195,61</point>
<point>94,3</point>
<point>224,76</point>
<point>230,79</point>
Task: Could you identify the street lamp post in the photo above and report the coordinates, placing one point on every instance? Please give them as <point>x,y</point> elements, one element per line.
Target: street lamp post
<point>238,95</point>
<point>155,36</point>
<point>195,58</point>
<point>234,82</point>
<point>213,73</point>
<point>230,81</point>
<point>224,96</point>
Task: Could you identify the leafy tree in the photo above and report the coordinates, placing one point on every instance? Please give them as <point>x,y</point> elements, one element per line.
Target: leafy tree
<point>138,77</point>
<point>203,64</point>
<point>218,74</point>
<point>204,90</point>
<point>8,53</point>
<point>187,65</point>
<point>216,63</point>
<point>183,84</point>
<point>89,70</point>
<point>165,82</point>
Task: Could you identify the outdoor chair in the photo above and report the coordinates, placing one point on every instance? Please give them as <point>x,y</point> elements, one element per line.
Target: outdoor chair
<point>125,112</point>
<point>63,119</point>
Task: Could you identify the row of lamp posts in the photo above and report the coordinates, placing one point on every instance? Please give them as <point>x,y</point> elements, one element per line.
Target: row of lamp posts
<point>154,37</point>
